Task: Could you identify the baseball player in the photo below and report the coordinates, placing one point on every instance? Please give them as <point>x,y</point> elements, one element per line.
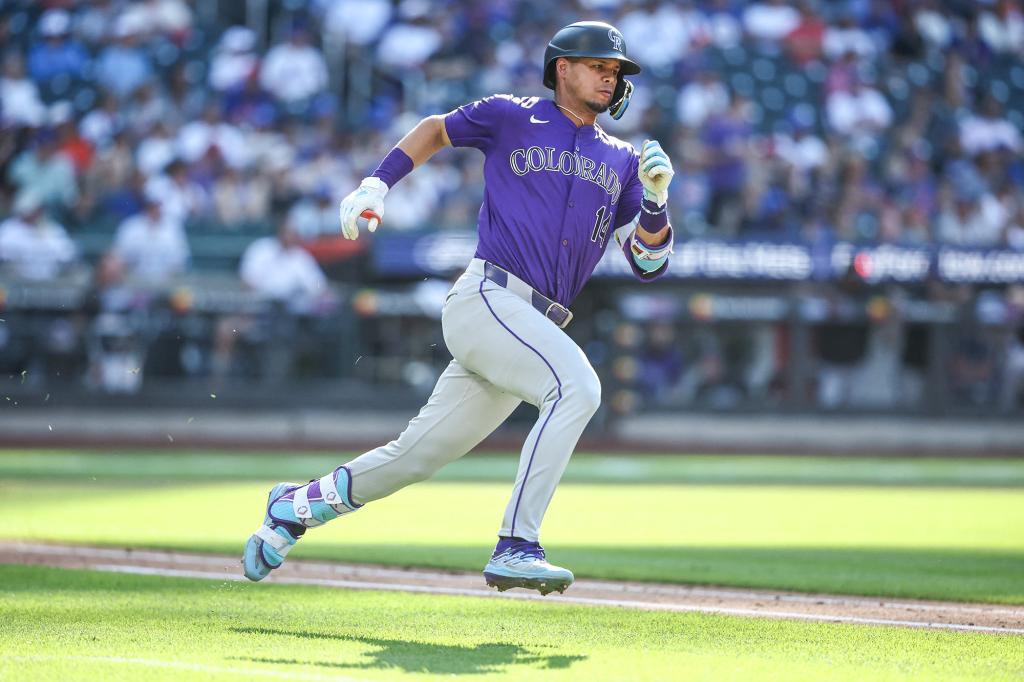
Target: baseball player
<point>559,189</point>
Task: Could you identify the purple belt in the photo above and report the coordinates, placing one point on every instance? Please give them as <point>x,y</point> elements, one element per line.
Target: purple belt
<point>553,310</point>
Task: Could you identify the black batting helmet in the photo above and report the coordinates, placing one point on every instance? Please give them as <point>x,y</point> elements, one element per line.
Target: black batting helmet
<point>593,39</point>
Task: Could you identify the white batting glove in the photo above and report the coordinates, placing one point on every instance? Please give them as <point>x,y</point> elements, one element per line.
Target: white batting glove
<point>655,172</point>
<point>366,202</point>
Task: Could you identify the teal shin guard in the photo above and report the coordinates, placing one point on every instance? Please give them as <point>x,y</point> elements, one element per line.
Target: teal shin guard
<point>317,502</point>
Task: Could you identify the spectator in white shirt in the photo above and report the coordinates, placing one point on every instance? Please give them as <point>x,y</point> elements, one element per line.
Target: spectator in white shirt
<point>36,246</point>
<point>409,44</point>
<point>357,22</point>
<point>172,18</point>
<point>181,198</point>
<point>156,151</point>
<point>19,96</point>
<point>771,20</point>
<point>972,218</point>
<point>151,245</point>
<point>197,137</point>
<point>279,269</point>
<point>803,150</point>
<point>723,26</point>
<point>1003,29</point>
<point>701,98</point>
<point>988,130</point>
<point>660,34</point>
<point>294,71</point>
<point>861,111</point>
<point>234,60</point>
<point>846,36</point>
<point>933,24</point>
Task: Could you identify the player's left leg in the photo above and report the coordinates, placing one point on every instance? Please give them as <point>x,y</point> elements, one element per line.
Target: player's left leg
<point>463,409</point>
<point>567,397</point>
<point>504,339</point>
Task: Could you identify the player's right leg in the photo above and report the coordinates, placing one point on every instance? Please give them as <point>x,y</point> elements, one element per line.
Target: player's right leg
<point>461,412</point>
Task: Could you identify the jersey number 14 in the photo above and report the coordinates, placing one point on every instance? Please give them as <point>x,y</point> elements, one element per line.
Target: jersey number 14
<point>601,224</point>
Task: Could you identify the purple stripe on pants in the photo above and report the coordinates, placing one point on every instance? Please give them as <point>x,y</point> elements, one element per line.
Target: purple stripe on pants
<point>540,433</point>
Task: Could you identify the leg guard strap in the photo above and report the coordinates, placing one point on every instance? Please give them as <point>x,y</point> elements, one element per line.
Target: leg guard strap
<point>277,542</point>
<point>323,499</point>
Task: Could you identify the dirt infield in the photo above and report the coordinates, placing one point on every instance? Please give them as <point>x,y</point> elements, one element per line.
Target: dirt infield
<point>652,596</point>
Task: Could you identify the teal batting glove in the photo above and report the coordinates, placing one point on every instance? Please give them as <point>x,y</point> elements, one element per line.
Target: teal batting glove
<point>655,172</point>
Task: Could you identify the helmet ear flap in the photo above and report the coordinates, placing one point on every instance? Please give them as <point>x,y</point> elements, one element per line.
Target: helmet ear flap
<point>620,98</point>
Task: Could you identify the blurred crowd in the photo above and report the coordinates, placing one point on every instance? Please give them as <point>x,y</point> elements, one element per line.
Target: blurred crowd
<point>149,122</point>
<point>858,120</point>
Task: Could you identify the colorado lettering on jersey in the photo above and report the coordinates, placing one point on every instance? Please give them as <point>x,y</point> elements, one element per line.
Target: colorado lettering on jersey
<point>535,159</point>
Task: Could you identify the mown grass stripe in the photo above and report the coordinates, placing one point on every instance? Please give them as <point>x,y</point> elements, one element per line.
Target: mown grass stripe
<point>583,468</point>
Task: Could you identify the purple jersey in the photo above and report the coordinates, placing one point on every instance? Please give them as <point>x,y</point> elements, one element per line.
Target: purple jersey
<point>554,192</point>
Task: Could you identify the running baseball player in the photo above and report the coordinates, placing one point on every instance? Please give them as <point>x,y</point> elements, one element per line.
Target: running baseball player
<point>558,190</point>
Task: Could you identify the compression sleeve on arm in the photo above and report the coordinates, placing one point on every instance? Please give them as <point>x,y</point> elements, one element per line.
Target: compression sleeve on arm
<point>395,166</point>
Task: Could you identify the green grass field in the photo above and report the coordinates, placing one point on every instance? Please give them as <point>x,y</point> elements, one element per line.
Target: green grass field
<point>924,537</point>
<point>906,528</point>
<point>63,625</point>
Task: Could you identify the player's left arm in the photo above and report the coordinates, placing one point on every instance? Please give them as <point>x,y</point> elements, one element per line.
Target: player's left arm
<point>647,239</point>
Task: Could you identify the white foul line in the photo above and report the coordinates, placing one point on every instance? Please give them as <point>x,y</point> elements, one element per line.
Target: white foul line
<point>622,603</point>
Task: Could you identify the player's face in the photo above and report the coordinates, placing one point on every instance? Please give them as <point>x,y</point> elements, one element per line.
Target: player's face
<point>592,82</point>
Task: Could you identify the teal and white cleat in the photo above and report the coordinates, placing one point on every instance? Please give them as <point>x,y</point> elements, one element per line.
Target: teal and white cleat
<point>520,563</point>
<point>291,509</point>
<point>270,544</point>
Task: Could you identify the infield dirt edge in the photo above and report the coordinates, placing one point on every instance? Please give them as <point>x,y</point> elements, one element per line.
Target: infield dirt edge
<point>958,616</point>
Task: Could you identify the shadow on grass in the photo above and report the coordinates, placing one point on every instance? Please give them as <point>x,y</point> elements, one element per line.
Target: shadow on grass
<point>419,657</point>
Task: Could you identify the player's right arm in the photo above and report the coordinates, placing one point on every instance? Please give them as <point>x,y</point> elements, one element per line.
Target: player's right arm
<point>426,139</point>
<point>473,125</point>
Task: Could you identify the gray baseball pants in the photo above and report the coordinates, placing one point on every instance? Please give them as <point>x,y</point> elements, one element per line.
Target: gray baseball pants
<point>505,352</point>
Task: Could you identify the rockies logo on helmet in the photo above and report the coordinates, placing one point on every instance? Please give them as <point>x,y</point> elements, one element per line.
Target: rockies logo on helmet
<point>616,39</point>
<point>593,39</point>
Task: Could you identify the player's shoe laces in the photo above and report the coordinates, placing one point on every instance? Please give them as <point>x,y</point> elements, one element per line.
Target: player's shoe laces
<point>291,509</point>
<point>521,563</point>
